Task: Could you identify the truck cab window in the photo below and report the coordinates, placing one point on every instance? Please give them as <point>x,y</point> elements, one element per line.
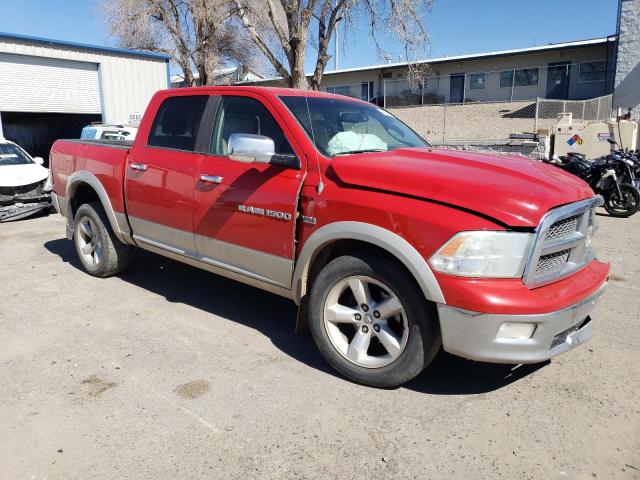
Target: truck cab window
<point>340,127</point>
<point>177,122</point>
<point>245,115</point>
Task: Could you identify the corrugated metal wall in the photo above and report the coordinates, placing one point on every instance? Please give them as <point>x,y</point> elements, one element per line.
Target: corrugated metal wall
<point>126,83</point>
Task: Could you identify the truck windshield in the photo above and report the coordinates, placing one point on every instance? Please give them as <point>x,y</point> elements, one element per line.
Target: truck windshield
<point>12,155</point>
<point>342,127</point>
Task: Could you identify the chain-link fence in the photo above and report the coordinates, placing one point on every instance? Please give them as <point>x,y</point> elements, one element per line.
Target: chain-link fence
<point>496,123</point>
<point>479,123</point>
<point>478,87</point>
<point>594,110</point>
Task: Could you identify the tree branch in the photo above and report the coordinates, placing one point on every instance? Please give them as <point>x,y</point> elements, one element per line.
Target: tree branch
<point>260,43</point>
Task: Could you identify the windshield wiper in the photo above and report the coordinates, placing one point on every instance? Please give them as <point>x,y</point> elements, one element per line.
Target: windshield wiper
<point>364,150</point>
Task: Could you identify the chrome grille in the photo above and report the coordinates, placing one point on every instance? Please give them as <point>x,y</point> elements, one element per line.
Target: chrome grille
<point>562,229</point>
<point>552,263</point>
<point>561,243</point>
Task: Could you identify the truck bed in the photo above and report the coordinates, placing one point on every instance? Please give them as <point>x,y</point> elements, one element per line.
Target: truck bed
<point>102,159</point>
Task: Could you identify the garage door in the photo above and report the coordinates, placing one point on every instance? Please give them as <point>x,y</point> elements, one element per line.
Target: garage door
<point>39,84</point>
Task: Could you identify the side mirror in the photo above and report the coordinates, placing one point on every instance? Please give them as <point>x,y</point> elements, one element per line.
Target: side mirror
<point>250,148</point>
<point>38,160</point>
<point>612,141</point>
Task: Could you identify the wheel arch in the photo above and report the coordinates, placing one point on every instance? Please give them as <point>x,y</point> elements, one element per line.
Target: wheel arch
<point>379,237</point>
<point>80,183</point>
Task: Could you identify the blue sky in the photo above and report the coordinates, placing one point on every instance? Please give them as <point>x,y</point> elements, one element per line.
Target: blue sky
<point>456,26</point>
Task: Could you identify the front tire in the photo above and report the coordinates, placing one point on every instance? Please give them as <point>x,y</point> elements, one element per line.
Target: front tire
<point>624,207</point>
<point>371,322</point>
<point>98,248</point>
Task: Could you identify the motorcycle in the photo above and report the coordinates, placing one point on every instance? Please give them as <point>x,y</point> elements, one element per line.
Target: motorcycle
<point>630,161</point>
<point>621,199</point>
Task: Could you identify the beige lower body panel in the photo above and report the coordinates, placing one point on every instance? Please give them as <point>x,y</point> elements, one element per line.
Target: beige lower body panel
<point>253,267</point>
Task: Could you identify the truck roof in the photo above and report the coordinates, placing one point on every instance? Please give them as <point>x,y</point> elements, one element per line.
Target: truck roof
<point>277,91</point>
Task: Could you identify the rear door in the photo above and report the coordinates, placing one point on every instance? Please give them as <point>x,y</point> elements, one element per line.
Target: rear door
<point>245,213</point>
<point>160,176</point>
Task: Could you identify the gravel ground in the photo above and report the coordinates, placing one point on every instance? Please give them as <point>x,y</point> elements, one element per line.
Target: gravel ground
<point>171,372</point>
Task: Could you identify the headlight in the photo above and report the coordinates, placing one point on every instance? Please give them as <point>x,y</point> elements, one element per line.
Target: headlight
<point>484,254</point>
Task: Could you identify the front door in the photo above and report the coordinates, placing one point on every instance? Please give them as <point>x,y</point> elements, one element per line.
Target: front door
<point>159,177</point>
<point>558,80</point>
<point>245,213</point>
<point>456,90</point>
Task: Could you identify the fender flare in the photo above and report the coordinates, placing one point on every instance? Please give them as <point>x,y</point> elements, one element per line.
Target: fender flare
<point>119,226</point>
<point>378,236</point>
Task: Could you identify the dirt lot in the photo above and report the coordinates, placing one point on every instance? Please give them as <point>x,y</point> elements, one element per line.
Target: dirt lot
<point>172,372</point>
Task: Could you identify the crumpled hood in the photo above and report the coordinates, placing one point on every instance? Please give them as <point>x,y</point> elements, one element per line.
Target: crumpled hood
<point>513,190</point>
<point>18,175</point>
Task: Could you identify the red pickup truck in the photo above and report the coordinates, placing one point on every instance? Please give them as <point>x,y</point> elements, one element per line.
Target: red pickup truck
<point>390,247</point>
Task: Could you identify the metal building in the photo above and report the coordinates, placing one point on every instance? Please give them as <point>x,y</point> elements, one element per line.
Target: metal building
<point>50,89</point>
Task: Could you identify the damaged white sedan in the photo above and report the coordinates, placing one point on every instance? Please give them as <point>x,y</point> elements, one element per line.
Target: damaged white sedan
<point>25,185</point>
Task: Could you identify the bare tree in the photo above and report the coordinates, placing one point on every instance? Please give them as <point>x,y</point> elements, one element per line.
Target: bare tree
<point>198,34</point>
<point>290,26</point>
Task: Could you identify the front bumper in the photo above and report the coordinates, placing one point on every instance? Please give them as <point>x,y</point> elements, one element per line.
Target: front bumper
<point>22,206</point>
<point>474,335</point>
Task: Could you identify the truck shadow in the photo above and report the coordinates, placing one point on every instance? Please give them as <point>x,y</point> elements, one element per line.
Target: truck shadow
<point>275,316</point>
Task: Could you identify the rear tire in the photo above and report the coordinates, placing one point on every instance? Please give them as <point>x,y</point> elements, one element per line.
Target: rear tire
<point>628,206</point>
<point>98,248</point>
<point>371,322</point>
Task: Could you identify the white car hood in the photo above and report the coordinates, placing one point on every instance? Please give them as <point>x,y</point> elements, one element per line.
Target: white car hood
<point>18,175</point>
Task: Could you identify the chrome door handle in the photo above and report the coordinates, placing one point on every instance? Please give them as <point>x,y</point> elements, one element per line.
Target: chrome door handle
<point>138,166</point>
<point>210,178</point>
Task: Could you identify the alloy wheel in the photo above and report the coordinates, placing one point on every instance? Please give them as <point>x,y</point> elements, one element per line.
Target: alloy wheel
<point>366,321</point>
<point>89,243</point>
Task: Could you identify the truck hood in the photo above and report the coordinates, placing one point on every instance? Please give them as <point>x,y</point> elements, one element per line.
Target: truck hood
<point>18,175</point>
<point>513,190</point>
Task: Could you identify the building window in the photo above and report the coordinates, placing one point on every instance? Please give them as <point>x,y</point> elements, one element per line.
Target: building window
<point>519,78</point>
<point>477,81</point>
<point>366,91</point>
<point>525,77</point>
<point>506,79</point>
<point>592,72</point>
<point>340,90</point>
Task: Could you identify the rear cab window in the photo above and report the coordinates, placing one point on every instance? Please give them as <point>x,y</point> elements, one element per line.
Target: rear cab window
<point>177,122</point>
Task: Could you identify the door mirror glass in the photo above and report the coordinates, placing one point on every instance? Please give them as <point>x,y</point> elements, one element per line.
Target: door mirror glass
<point>250,148</point>
<point>38,160</point>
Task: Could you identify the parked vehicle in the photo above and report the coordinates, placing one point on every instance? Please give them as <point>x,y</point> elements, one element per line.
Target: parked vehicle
<point>109,132</point>
<point>390,247</point>
<point>607,176</point>
<point>24,183</point>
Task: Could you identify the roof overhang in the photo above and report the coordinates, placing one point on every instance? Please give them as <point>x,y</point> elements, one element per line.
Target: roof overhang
<point>83,46</point>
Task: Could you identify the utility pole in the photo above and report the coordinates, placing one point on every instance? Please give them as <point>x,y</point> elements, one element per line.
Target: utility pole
<point>336,60</point>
